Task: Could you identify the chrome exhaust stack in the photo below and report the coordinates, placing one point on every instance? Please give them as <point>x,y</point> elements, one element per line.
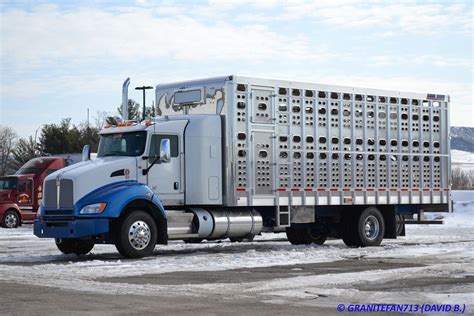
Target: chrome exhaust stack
<point>125,85</point>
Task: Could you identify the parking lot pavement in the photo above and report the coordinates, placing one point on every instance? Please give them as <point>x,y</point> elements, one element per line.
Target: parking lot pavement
<point>268,276</point>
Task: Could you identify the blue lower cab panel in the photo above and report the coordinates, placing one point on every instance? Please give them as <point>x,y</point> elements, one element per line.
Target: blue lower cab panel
<point>71,229</point>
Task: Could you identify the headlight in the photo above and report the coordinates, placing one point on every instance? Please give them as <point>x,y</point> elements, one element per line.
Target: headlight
<point>96,208</point>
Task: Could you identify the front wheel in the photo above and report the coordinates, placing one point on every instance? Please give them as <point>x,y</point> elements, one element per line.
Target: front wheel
<point>136,235</point>
<point>11,219</point>
<point>76,246</point>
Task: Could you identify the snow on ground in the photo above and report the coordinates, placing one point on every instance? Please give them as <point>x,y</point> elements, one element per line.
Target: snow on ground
<point>448,249</point>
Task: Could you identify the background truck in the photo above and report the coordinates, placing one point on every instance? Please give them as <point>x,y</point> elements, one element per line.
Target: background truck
<point>21,193</point>
<point>232,157</point>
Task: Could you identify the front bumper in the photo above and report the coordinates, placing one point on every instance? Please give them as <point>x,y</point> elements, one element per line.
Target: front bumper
<point>71,229</point>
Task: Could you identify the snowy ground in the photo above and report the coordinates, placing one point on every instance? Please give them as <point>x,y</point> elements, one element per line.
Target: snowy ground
<point>432,264</point>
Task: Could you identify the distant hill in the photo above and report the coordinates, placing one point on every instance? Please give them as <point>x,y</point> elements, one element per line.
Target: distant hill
<point>462,138</point>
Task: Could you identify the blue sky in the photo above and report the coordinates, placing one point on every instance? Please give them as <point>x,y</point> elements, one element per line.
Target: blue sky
<point>59,58</point>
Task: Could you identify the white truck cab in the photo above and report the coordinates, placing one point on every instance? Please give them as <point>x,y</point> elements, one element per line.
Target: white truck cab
<point>198,136</point>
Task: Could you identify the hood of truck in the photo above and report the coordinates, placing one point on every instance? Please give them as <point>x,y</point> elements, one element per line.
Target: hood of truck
<point>89,175</point>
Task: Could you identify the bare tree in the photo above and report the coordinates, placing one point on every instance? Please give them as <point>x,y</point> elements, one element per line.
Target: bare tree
<point>7,142</point>
<point>462,180</point>
<point>24,150</point>
<point>101,119</point>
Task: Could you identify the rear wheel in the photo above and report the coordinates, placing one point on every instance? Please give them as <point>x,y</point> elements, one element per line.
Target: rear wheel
<point>313,236</point>
<point>136,235</point>
<point>349,228</point>
<point>371,227</point>
<point>305,236</point>
<point>76,246</point>
<point>293,236</point>
<point>400,226</point>
<point>363,229</point>
<point>11,219</point>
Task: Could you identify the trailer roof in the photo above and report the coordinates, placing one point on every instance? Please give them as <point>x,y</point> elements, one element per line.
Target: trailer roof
<point>305,85</point>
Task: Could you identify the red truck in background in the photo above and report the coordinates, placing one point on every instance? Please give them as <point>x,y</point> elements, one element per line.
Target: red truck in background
<point>21,193</point>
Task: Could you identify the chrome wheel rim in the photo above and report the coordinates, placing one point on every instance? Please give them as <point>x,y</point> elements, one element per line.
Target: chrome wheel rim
<point>371,227</point>
<point>11,220</point>
<point>139,235</point>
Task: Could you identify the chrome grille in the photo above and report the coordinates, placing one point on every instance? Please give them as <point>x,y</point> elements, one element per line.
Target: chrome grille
<point>49,194</point>
<point>66,196</point>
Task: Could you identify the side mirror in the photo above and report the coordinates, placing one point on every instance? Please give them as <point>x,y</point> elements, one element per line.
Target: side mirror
<point>86,153</point>
<point>165,150</point>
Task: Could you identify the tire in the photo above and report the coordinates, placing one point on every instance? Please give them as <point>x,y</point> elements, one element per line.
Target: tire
<point>400,227</point>
<point>193,241</point>
<point>304,236</point>
<point>136,235</point>
<point>349,229</point>
<point>11,219</point>
<point>312,236</point>
<point>76,246</point>
<point>370,227</point>
<point>293,236</point>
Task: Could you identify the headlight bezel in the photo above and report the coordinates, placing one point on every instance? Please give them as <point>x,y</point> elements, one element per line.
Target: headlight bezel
<point>93,209</point>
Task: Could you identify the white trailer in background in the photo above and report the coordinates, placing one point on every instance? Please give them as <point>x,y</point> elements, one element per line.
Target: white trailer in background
<point>234,156</point>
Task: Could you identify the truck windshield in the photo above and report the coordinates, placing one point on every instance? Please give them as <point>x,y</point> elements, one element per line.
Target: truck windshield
<point>122,144</point>
<point>7,183</point>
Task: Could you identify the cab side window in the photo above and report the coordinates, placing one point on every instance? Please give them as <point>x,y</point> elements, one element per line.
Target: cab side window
<point>25,186</point>
<point>25,190</point>
<point>155,145</point>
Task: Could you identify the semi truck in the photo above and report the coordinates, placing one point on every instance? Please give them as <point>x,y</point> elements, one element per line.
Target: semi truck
<point>232,157</point>
<point>21,193</point>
